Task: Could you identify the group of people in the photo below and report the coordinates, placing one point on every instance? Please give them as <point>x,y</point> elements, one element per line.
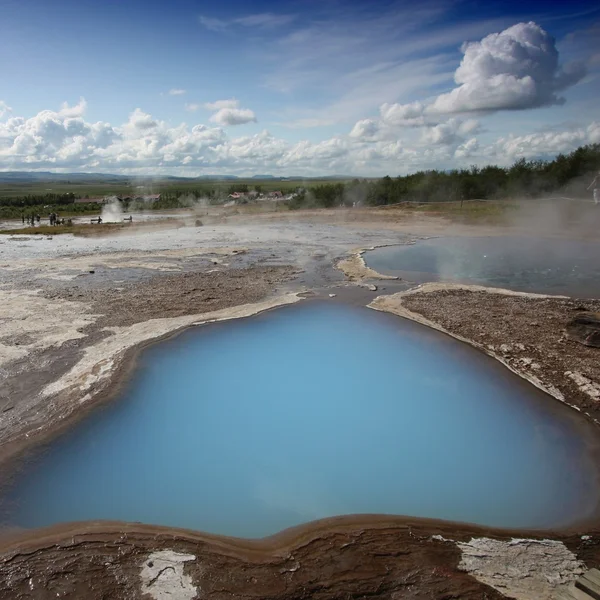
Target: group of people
<point>34,219</point>
<point>53,219</point>
<point>31,219</point>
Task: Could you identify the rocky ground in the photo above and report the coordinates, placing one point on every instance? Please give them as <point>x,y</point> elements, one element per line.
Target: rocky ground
<point>76,311</point>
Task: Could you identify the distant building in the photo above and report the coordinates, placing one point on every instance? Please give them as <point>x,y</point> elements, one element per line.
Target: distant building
<point>140,198</point>
<point>91,200</point>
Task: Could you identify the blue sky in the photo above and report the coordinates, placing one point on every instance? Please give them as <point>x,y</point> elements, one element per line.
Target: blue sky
<point>361,88</point>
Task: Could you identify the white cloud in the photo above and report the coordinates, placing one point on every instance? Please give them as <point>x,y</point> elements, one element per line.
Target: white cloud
<point>468,149</point>
<point>78,110</point>
<point>141,120</point>
<point>64,140</point>
<point>228,112</point>
<point>404,115</point>
<point>515,69</point>
<point>4,108</point>
<point>365,129</point>
<point>450,132</point>
<point>543,144</point>
<point>191,107</point>
<point>219,104</point>
<point>233,116</point>
<point>176,92</point>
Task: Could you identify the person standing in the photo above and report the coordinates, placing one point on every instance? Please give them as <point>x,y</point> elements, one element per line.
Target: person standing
<point>596,186</point>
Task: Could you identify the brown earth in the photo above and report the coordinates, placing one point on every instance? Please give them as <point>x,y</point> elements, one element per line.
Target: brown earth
<point>345,558</point>
<point>176,295</point>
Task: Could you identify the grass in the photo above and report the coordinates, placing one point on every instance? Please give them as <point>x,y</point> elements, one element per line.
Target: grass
<point>82,229</point>
<point>468,211</point>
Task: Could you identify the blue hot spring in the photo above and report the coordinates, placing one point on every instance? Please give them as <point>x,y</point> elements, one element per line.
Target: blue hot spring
<point>528,264</point>
<point>248,427</point>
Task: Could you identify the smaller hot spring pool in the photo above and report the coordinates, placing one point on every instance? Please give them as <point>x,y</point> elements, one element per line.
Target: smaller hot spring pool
<point>247,427</point>
<point>548,266</point>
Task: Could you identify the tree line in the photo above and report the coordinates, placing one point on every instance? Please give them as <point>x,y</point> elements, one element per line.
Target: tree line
<point>568,174</point>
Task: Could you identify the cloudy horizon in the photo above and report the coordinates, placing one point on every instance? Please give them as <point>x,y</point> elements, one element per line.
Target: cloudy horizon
<point>312,89</point>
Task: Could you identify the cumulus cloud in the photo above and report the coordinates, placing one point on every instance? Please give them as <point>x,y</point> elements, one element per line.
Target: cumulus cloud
<point>451,132</point>
<point>78,110</point>
<point>467,149</point>
<point>365,129</point>
<point>515,69</point>
<point>233,116</point>
<point>65,140</point>
<point>404,115</point>
<point>228,112</point>
<point>141,120</point>
<point>176,92</point>
<point>543,144</point>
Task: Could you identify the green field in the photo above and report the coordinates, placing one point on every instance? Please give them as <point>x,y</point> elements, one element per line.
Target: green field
<point>123,187</point>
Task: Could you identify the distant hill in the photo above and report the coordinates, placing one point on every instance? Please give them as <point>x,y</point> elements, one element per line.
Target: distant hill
<point>35,176</point>
<point>79,178</point>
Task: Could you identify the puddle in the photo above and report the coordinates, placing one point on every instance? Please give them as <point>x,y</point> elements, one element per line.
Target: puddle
<point>548,266</point>
<point>248,427</point>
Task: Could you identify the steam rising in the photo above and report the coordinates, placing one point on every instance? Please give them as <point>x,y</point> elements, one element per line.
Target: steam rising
<point>112,212</point>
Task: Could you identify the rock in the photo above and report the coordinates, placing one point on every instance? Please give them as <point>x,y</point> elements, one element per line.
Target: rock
<point>332,295</point>
<point>520,568</point>
<point>585,385</point>
<point>585,329</point>
<point>199,223</point>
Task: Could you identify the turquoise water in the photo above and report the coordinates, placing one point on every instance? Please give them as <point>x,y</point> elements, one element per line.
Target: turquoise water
<point>249,427</point>
<point>550,266</point>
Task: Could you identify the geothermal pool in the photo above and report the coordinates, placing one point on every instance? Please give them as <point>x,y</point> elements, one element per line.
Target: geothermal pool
<point>247,427</point>
<point>548,266</point>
